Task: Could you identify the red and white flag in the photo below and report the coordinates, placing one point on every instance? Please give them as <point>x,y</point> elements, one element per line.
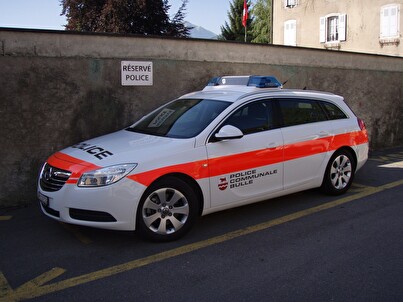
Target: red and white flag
<point>244,14</point>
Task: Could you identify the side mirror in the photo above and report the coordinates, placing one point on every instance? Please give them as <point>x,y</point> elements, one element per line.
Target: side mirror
<point>228,132</point>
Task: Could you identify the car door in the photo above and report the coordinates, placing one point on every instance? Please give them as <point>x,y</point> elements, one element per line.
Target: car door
<point>250,167</point>
<point>307,135</point>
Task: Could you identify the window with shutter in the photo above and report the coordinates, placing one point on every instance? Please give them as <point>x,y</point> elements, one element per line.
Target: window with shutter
<point>333,28</point>
<point>290,32</point>
<point>390,21</point>
<point>290,3</point>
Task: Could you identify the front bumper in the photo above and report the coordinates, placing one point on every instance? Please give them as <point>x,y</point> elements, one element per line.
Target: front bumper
<point>110,207</point>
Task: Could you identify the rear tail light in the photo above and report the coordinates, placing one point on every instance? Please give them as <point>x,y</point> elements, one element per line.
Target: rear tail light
<point>361,124</point>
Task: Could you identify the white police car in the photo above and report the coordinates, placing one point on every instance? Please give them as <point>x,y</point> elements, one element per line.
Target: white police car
<point>241,140</point>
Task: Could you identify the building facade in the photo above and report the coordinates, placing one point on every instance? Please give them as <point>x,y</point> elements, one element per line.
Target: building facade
<point>368,26</point>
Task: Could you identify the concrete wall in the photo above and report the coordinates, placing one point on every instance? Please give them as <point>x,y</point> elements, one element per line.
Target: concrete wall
<point>59,88</point>
<point>363,24</point>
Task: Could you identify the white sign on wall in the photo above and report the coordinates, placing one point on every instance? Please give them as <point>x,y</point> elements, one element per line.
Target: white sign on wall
<point>136,73</point>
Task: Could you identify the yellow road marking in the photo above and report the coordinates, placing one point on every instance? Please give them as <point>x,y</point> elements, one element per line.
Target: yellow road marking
<point>381,158</point>
<point>37,289</point>
<point>356,188</point>
<point>4,218</point>
<point>398,164</point>
<point>5,288</point>
<point>388,158</point>
<point>42,279</point>
<point>359,185</point>
<point>76,232</point>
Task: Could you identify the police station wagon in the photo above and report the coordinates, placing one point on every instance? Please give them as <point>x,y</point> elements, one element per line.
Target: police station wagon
<point>242,139</point>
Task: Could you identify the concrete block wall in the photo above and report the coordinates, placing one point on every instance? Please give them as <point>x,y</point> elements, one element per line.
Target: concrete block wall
<point>59,88</point>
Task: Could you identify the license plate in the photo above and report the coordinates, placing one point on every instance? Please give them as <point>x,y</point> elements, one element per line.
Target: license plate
<point>43,199</point>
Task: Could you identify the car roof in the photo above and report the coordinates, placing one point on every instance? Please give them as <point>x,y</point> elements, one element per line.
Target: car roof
<point>234,93</point>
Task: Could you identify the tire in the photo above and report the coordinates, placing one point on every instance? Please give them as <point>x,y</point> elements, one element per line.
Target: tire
<point>167,210</point>
<point>339,173</point>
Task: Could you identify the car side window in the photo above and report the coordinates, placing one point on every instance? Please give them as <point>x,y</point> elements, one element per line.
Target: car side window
<point>333,112</point>
<point>253,117</point>
<point>297,112</point>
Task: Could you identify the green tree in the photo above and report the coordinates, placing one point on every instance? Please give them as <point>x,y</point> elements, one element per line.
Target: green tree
<point>262,25</point>
<point>177,27</point>
<point>234,31</point>
<point>147,17</point>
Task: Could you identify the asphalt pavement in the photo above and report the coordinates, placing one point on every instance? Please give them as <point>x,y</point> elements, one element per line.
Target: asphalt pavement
<point>303,247</point>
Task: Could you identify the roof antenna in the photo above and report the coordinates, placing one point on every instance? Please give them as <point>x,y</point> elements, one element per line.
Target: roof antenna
<point>297,72</point>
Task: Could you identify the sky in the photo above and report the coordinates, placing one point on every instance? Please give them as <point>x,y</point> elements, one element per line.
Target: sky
<point>45,14</point>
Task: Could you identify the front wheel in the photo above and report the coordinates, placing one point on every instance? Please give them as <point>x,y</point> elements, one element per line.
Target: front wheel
<point>339,173</point>
<point>167,210</point>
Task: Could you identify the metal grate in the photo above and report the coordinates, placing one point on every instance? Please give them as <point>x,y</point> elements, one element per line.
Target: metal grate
<point>52,179</point>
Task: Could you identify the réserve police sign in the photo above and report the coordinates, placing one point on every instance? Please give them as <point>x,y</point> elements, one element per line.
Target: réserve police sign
<point>137,73</point>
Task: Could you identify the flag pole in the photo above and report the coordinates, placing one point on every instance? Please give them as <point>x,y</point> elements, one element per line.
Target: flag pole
<point>245,16</point>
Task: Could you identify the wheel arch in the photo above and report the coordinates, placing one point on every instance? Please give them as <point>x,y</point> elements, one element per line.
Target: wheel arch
<point>351,151</point>
<point>326,186</point>
<point>191,182</point>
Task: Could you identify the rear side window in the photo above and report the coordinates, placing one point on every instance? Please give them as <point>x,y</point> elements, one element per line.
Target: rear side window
<point>333,112</point>
<point>297,112</point>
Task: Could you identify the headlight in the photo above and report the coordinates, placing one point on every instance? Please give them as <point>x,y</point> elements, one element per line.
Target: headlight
<point>105,176</point>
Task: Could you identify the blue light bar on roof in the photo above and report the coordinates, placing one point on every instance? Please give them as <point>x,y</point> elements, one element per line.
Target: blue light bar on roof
<point>264,82</point>
<point>255,81</point>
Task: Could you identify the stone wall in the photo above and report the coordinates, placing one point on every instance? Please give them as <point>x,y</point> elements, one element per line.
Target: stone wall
<point>59,88</point>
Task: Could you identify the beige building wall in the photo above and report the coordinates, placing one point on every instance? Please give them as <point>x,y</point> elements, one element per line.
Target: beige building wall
<point>363,24</point>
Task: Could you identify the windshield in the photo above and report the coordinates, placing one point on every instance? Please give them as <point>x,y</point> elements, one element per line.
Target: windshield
<point>183,118</point>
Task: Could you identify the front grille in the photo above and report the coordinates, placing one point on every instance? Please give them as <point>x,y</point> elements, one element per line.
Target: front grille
<point>53,179</point>
<point>88,215</point>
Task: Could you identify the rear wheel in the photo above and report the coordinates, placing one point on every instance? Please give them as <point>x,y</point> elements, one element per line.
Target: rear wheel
<point>167,210</point>
<point>339,173</point>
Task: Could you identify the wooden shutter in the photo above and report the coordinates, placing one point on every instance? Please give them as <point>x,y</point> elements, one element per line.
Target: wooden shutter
<point>322,30</point>
<point>383,22</point>
<point>290,32</point>
<point>393,18</point>
<point>342,27</point>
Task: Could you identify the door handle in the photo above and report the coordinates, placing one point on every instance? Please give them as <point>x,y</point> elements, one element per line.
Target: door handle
<point>272,146</point>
